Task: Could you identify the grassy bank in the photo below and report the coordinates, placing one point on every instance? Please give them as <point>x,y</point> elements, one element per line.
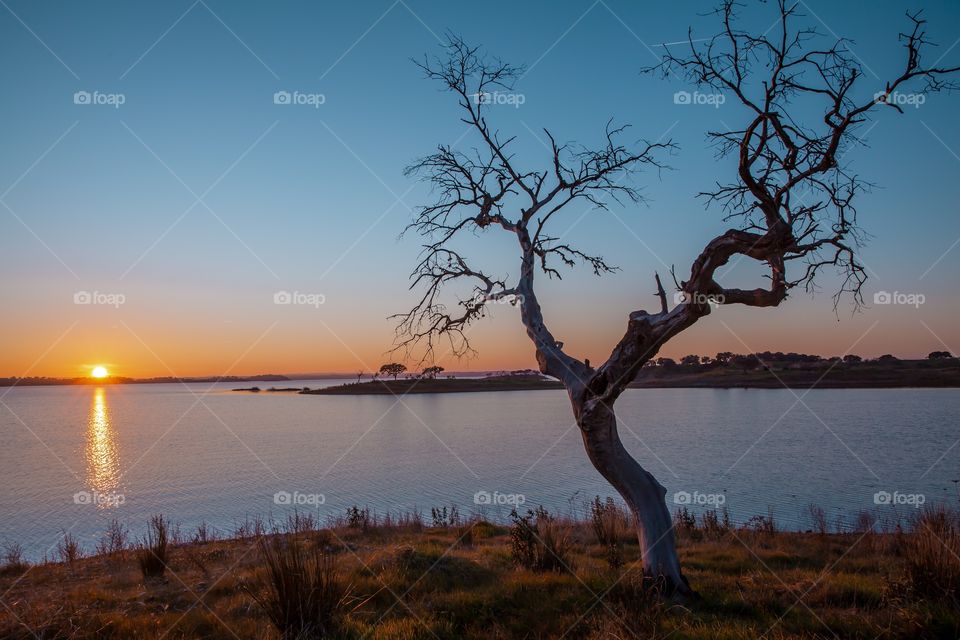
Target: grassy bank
<point>542,577</point>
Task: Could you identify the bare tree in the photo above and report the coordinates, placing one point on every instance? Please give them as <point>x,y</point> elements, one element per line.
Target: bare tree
<point>790,200</point>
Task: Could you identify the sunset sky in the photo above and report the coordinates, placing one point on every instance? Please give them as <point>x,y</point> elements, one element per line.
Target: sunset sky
<point>189,206</point>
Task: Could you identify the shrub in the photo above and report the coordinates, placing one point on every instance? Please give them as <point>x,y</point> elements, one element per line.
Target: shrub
<point>114,539</point>
<point>68,549</point>
<point>932,555</point>
<point>608,522</point>
<point>685,522</point>
<point>762,524</point>
<point>251,527</point>
<point>539,542</point>
<point>444,518</point>
<point>466,533</point>
<point>715,525</point>
<point>819,518</point>
<point>865,523</point>
<point>13,558</point>
<point>204,534</point>
<point>358,518</point>
<point>302,594</point>
<point>300,522</point>
<point>152,553</point>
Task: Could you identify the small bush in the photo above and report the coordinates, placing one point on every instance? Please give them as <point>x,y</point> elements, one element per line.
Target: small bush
<point>608,522</point>
<point>114,539</point>
<point>931,551</point>
<point>13,561</point>
<point>684,521</point>
<point>765,525</point>
<point>819,518</point>
<point>300,522</point>
<point>68,549</point>
<point>205,534</point>
<point>250,528</point>
<point>443,518</point>
<point>539,542</point>
<point>358,518</point>
<point>466,533</point>
<point>302,594</point>
<point>866,522</point>
<point>715,525</point>
<point>152,553</point>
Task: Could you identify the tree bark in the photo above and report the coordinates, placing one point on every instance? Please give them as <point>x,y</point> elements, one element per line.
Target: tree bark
<point>645,497</point>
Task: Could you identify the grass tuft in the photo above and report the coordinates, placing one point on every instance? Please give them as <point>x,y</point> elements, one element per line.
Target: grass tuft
<point>540,542</point>
<point>303,594</point>
<point>152,552</point>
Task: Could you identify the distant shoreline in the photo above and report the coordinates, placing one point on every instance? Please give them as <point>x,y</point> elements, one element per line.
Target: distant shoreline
<point>59,382</point>
<point>823,374</point>
<point>901,374</point>
<point>898,374</point>
<point>439,385</point>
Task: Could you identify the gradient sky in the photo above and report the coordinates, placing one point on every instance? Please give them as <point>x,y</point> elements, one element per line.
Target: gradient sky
<point>295,198</point>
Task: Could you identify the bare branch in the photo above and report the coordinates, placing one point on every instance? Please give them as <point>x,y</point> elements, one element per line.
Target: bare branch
<point>487,189</point>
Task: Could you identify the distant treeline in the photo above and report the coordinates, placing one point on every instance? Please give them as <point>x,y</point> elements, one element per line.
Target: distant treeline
<point>760,359</point>
<point>800,370</point>
<point>34,381</point>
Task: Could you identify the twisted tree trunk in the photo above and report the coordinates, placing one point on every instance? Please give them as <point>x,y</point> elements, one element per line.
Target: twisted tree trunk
<point>645,497</point>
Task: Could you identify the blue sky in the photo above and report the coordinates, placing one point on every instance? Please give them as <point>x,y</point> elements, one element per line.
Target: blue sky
<point>298,198</point>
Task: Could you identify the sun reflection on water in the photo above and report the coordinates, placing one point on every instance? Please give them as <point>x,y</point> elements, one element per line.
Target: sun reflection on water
<point>103,465</point>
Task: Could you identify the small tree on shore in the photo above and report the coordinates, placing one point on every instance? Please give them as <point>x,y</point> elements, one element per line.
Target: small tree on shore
<point>789,200</point>
<point>432,372</point>
<point>393,369</point>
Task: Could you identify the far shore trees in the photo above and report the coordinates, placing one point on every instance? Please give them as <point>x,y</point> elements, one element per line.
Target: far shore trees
<point>787,197</point>
<point>392,369</point>
<point>432,372</point>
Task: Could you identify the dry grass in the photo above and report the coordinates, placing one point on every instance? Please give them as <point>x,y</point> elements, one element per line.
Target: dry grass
<point>413,581</point>
<point>540,542</point>
<point>932,555</point>
<point>303,595</point>
<point>152,552</point>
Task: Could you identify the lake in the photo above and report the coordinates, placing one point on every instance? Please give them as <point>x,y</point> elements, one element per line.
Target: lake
<point>74,457</point>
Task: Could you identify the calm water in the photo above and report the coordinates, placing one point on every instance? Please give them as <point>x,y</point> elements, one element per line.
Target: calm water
<point>72,458</point>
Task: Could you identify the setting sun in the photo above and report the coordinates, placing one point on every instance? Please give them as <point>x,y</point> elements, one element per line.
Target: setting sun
<point>99,372</point>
